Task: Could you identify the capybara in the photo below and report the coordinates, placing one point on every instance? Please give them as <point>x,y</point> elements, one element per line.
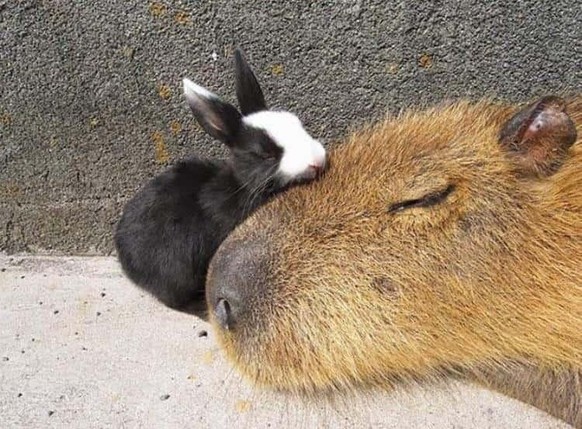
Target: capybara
<point>441,243</point>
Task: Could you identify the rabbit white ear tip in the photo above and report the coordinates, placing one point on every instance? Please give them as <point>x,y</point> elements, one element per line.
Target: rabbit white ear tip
<point>190,88</point>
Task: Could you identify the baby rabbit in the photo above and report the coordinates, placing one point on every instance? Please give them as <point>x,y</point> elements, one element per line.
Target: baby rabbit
<point>170,230</point>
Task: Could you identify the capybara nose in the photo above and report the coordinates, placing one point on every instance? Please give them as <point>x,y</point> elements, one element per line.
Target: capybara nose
<point>235,280</point>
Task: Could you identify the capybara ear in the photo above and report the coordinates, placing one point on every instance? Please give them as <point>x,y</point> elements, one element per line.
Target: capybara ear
<point>539,136</point>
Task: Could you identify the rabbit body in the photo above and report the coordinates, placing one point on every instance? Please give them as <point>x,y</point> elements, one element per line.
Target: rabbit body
<point>170,230</point>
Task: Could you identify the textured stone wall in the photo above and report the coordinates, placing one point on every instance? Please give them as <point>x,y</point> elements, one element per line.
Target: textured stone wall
<point>90,91</point>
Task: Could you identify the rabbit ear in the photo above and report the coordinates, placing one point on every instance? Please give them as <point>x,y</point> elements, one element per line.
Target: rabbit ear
<point>218,118</point>
<point>248,91</point>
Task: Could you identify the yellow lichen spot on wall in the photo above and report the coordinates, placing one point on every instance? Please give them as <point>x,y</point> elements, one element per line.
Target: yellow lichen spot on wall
<point>5,119</point>
<point>157,9</point>
<point>277,69</point>
<point>425,61</point>
<point>10,190</point>
<point>164,91</point>
<point>175,127</point>
<point>392,68</point>
<point>182,17</point>
<point>227,51</point>
<point>128,52</point>
<point>242,406</point>
<point>162,156</point>
<point>94,122</point>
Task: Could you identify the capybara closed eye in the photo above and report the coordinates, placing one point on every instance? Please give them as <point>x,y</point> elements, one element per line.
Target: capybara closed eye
<point>442,241</point>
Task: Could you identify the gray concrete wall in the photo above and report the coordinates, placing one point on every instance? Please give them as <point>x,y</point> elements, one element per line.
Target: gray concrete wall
<point>90,96</point>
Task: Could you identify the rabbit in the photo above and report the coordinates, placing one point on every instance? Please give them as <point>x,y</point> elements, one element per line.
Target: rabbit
<point>170,230</point>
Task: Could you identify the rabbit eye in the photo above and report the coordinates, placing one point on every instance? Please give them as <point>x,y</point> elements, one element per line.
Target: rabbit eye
<point>428,200</point>
<point>266,156</point>
<point>266,149</point>
<point>270,152</point>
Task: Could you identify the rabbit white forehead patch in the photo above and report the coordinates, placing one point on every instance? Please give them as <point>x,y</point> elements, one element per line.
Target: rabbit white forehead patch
<point>301,152</point>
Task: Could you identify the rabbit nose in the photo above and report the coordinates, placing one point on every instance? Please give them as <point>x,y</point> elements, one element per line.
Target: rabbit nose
<point>316,169</point>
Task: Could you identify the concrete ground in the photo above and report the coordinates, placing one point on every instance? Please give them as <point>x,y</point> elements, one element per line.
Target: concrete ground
<point>81,347</point>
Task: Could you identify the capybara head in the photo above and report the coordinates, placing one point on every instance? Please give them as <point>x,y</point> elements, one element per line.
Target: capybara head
<point>439,241</point>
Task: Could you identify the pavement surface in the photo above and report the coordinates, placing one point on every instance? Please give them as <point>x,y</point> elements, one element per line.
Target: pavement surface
<point>80,347</point>
<point>91,104</point>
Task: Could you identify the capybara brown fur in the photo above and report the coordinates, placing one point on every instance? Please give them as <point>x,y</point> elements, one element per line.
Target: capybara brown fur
<point>445,242</point>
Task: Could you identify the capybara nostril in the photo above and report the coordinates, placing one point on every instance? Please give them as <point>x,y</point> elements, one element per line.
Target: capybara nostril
<point>227,303</point>
<point>223,314</point>
<point>236,281</point>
